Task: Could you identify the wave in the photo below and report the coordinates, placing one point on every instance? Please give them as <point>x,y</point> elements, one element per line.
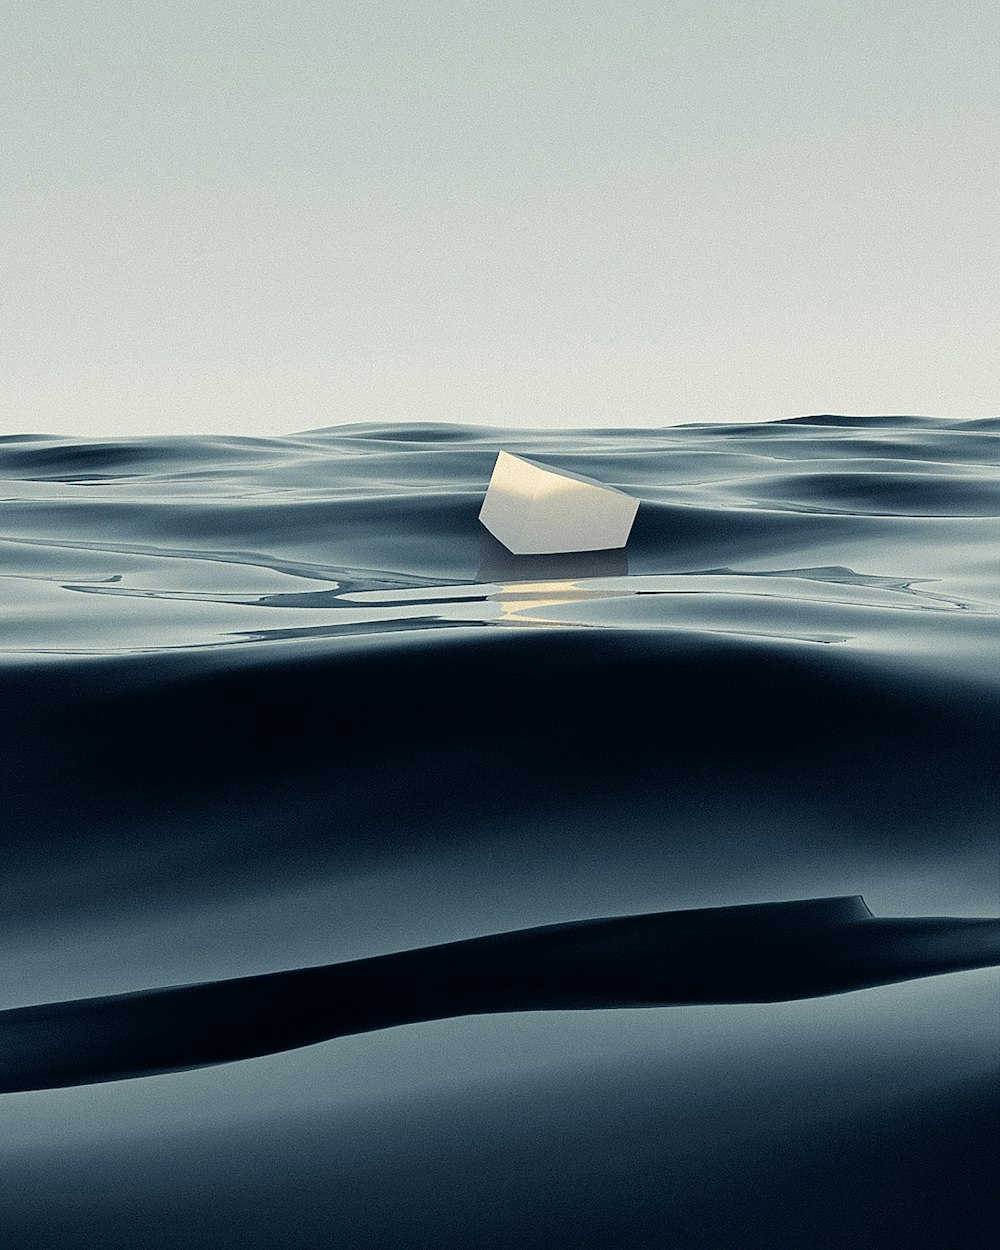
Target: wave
<point>749,954</point>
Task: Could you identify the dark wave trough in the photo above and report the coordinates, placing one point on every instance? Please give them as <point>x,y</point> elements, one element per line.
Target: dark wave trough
<point>750,954</point>
<point>282,728</point>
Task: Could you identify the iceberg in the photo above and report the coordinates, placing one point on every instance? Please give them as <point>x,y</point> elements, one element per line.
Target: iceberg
<point>534,509</point>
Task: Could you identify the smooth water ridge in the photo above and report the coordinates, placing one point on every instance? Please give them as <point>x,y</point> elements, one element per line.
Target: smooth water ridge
<point>365,885</point>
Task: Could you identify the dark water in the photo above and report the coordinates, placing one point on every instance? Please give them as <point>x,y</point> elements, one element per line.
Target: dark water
<point>270,704</point>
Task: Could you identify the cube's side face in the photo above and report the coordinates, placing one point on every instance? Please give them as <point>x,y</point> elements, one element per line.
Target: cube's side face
<point>509,498</point>
<point>576,517</point>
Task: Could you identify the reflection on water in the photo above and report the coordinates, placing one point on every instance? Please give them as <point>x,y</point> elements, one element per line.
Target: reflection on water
<point>123,613</point>
<point>525,588</point>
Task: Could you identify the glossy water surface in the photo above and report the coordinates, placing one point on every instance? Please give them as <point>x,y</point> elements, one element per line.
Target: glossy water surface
<point>276,703</point>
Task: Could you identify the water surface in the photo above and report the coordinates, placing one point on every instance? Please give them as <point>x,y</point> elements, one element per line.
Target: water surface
<point>272,703</point>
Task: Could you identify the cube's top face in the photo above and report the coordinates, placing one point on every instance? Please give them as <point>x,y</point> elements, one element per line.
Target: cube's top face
<point>534,509</point>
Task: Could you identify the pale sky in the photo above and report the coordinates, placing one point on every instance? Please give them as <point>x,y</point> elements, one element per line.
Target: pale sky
<point>237,216</point>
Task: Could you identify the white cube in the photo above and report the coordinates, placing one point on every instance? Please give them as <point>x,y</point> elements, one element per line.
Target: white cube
<point>537,510</point>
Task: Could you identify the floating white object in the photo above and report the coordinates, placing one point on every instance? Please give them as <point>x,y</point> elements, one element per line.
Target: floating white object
<point>536,510</point>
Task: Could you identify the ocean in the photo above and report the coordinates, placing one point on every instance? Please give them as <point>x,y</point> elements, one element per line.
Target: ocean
<point>269,705</point>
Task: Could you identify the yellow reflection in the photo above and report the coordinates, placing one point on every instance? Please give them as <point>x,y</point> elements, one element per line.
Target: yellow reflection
<point>521,603</point>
